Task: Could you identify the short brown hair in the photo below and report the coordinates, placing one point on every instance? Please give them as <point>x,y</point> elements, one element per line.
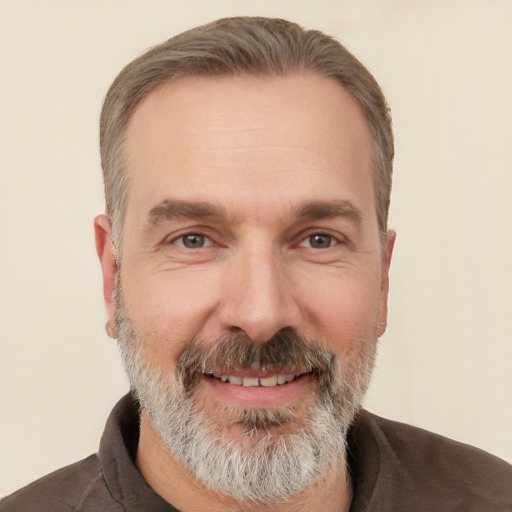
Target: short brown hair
<point>238,46</point>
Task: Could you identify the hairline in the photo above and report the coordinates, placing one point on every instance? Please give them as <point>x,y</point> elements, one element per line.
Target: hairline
<point>118,217</point>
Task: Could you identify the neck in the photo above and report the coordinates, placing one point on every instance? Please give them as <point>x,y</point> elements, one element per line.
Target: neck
<point>171,480</point>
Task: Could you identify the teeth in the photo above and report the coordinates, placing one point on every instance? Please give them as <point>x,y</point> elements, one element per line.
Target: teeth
<point>276,380</point>
<point>269,381</point>
<point>248,382</point>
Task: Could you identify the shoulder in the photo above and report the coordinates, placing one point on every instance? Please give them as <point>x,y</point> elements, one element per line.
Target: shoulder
<point>72,488</point>
<point>417,444</point>
<point>432,469</point>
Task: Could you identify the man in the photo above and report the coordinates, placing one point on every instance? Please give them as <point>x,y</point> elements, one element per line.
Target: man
<point>245,258</point>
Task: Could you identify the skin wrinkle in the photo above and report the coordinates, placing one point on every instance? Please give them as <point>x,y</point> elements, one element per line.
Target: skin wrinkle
<point>312,210</point>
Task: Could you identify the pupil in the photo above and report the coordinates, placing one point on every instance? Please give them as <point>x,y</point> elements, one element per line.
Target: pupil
<point>320,241</point>
<point>193,241</point>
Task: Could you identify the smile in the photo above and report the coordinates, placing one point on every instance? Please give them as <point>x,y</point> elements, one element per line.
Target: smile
<point>274,380</point>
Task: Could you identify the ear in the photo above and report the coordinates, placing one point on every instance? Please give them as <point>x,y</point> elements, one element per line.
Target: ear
<point>108,262</point>
<point>387,252</point>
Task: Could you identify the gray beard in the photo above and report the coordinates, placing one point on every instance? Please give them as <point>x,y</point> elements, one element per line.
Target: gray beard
<point>260,466</point>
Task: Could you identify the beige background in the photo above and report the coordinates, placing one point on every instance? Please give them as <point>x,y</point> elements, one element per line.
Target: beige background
<point>445,363</point>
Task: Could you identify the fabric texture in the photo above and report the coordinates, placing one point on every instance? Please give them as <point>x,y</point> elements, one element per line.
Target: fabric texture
<point>394,468</point>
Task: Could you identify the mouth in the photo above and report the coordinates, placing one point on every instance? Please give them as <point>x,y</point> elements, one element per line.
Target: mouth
<point>259,389</point>
<point>257,381</point>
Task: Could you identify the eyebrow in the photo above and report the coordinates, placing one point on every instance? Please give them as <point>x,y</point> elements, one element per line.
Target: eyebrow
<point>312,210</point>
<point>170,209</point>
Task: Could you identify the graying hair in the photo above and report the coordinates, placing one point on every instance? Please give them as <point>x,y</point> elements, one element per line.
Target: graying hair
<point>257,466</point>
<point>240,46</point>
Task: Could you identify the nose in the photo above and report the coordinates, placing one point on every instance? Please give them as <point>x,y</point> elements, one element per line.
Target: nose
<point>259,297</point>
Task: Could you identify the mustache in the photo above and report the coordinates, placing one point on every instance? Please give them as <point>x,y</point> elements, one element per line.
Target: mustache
<point>286,350</point>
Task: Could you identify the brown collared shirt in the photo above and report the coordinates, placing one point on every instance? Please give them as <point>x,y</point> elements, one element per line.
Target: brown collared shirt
<point>393,467</point>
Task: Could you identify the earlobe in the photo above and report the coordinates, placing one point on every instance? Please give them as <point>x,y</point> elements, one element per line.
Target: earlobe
<point>108,262</point>
<point>387,253</point>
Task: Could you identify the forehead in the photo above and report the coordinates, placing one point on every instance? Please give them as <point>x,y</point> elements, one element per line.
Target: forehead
<point>197,137</point>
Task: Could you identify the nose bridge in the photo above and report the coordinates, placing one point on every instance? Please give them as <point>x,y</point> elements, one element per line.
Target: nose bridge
<point>259,301</point>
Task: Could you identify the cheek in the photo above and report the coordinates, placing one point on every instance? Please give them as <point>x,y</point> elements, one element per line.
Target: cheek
<point>346,309</point>
<point>167,313</point>
<point>347,319</point>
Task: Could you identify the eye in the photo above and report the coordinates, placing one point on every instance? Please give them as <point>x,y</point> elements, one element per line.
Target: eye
<point>319,241</point>
<point>193,241</point>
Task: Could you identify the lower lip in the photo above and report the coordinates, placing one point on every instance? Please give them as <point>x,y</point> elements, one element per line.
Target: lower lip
<point>259,396</point>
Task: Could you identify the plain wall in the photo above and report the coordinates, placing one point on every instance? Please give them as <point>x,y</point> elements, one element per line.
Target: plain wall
<point>445,362</point>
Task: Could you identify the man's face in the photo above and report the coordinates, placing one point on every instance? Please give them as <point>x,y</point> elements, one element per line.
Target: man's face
<point>251,214</point>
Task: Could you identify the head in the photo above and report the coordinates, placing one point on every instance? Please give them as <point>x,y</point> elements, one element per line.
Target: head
<point>245,255</point>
